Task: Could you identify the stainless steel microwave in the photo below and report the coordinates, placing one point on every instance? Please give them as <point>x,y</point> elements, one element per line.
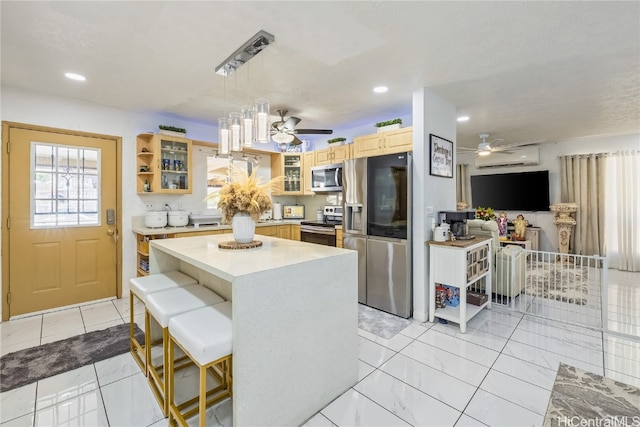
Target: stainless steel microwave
<point>327,178</point>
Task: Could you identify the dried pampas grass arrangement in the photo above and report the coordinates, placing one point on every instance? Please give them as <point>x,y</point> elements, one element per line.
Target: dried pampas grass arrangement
<point>244,193</point>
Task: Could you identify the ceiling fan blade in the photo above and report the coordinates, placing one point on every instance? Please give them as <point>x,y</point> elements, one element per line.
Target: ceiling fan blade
<point>314,131</point>
<point>291,122</point>
<point>520,144</point>
<point>466,149</point>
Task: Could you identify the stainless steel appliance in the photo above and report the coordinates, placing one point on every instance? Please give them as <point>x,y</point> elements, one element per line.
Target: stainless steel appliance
<point>327,178</point>
<point>322,232</point>
<point>377,198</point>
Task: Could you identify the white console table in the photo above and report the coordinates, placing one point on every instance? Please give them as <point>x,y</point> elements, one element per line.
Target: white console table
<point>459,263</point>
<point>526,244</point>
<point>532,234</point>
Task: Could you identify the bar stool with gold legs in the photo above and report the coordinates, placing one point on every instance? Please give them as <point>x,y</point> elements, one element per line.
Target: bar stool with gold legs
<point>205,336</point>
<point>139,288</point>
<point>162,306</point>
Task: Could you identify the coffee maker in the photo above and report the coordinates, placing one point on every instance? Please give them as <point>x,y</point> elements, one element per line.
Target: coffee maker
<point>457,221</point>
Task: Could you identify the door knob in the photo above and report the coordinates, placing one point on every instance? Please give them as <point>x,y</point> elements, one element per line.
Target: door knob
<point>111,231</point>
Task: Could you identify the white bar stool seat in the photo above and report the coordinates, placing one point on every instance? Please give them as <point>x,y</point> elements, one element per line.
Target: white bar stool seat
<point>162,306</point>
<point>140,287</point>
<point>205,335</point>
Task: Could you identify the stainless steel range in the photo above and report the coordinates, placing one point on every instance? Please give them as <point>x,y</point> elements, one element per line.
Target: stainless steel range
<point>322,232</point>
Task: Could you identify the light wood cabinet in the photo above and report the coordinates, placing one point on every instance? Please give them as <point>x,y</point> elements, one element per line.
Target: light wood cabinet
<point>291,167</point>
<point>332,155</point>
<point>394,141</point>
<point>295,232</point>
<point>309,162</point>
<point>339,238</point>
<point>270,230</point>
<point>163,164</point>
<point>142,251</point>
<point>283,231</point>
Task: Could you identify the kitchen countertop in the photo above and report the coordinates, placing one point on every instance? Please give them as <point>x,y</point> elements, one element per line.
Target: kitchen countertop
<point>139,227</point>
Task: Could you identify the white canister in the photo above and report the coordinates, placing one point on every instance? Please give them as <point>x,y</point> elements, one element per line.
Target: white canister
<point>440,234</point>
<point>155,219</point>
<point>277,211</point>
<point>320,215</point>
<point>178,218</point>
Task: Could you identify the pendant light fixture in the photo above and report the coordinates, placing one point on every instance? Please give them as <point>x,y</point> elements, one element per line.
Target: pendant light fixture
<point>235,124</point>
<point>223,136</point>
<point>251,125</point>
<point>247,126</point>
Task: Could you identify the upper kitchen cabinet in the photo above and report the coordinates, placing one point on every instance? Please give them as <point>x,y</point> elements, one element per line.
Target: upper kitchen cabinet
<point>394,141</point>
<point>163,164</point>
<point>290,166</point>
<point>332,155</point>
<point>309,162</point>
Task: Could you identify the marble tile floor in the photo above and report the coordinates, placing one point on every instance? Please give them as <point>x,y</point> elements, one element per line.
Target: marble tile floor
<point>500,373</point>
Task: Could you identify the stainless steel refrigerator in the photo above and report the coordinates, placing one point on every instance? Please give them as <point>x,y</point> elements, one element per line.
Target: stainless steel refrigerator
<point>377,224</point>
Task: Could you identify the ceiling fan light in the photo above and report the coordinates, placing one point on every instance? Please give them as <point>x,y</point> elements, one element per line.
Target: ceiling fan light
<point>282,138</point>
<point>261,120</point>
<point>484,152</point>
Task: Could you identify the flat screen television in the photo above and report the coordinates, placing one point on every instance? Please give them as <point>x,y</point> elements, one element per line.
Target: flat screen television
<point>523,191</point>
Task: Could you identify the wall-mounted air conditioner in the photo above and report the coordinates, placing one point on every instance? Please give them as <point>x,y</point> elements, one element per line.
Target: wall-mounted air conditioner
<point>523,156</point>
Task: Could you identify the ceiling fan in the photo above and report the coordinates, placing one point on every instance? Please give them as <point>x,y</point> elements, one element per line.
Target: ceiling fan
<point>488,147</point>
<point>284,131</point>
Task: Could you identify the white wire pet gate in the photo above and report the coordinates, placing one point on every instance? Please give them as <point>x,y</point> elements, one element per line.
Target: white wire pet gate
<point>566,288</point>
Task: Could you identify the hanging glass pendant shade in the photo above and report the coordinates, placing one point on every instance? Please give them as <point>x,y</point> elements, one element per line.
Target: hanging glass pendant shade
<point>236,131</point>
<point>247,126</point>
<point>261,120</point>
<point>223,136</point>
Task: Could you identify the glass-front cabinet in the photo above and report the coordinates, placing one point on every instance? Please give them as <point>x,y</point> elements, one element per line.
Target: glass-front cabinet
<point>163,164</point>
<point>290,167</point>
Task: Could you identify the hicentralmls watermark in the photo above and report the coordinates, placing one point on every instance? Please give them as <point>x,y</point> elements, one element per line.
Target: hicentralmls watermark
<point>613,421</point>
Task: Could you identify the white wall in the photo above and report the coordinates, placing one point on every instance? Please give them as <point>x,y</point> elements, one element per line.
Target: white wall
<point>431,194</point>
<point>549,154</point>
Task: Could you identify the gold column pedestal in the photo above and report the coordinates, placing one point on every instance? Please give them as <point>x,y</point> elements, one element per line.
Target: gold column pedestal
<point>564,222</point>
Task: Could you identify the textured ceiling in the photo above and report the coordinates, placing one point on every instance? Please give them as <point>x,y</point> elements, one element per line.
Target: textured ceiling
<point>520,70</point>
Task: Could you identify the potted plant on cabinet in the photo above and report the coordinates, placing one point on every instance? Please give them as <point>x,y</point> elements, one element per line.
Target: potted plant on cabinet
<point>389,125</point>
<point>336,140</point>
<point>173,131</point>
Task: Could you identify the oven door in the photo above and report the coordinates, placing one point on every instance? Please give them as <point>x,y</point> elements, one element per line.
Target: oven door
<point>319,235</point>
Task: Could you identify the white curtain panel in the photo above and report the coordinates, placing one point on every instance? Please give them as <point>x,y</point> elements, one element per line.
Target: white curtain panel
<point>463,184</point>
<point>582,181</point>
<point>623,210</point>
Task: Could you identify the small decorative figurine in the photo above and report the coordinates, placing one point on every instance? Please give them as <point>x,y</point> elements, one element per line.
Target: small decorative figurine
<point>502,223</point>
<point>520,225</point>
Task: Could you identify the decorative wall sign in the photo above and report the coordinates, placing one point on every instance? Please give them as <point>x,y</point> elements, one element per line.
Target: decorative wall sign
<point>441,160</point>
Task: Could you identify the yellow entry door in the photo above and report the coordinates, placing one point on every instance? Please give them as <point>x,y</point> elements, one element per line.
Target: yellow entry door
<point>61,224</point>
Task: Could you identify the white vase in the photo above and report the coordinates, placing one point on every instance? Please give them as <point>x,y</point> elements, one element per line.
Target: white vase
<point>244,228</point>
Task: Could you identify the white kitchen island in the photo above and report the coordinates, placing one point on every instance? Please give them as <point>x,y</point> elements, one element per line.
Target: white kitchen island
<point>295,320</point>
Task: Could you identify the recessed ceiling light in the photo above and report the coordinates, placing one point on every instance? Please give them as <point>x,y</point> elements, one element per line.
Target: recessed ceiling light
<point>74,76</point>
<point>380,89</point>
<point>463,118</point>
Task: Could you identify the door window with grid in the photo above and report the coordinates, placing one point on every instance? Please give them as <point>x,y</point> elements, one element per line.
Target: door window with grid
<point>65,186</point>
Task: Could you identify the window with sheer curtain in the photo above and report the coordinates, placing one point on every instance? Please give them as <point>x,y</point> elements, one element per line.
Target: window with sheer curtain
<point>623,210</point>
<point>605,187</point>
